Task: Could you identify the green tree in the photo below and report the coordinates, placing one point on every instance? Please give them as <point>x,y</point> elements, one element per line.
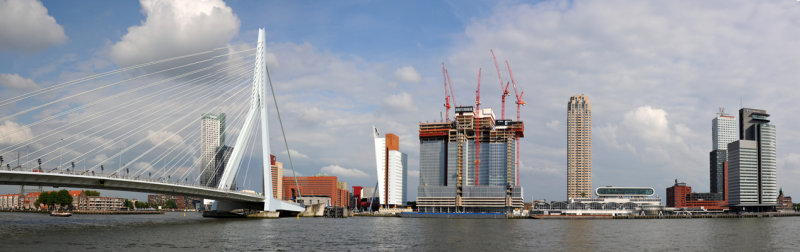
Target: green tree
<point>171,204</point>
<point>44,198</point>
<point>91,193</point>
<point>140,204</point>
<point>62,198</point>
<point>128,204</point>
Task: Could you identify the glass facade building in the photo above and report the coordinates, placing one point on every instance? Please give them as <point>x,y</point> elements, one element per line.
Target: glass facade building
<point>752,164</point>
<point>455,176</point>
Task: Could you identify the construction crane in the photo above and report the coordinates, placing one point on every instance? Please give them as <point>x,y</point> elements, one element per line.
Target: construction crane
<point>504,88</point>
<point>447,93</point>
<point>520,102</point>
<point>518,95</point>
<point>477,130</point>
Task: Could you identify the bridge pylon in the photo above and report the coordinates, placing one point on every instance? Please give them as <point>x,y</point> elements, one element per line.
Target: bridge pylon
<point>258,108</point>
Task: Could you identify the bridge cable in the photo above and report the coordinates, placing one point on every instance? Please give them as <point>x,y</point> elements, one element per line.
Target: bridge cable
<point>95,76</point>
<point>118,121</point>
<point>285,142</point>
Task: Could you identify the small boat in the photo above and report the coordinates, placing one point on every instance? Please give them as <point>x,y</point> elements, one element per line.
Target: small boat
<point>60,214</point>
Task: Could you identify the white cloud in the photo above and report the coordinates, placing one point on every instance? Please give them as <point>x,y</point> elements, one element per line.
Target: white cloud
<point>175,28</point>
<point>401,102</point>
<point>407,74</point>
<point>14,81</point>
<point>25,25</point>
<point>156,137</point>
<point>650,124</point>
<point>296,154</point>
<point>14,133</point>
<point>343,172</point>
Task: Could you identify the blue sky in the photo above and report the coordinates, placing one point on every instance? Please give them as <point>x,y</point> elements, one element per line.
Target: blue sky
<point>655,71</point>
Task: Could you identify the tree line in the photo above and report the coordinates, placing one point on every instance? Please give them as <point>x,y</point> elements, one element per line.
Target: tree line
<point>62,199</point>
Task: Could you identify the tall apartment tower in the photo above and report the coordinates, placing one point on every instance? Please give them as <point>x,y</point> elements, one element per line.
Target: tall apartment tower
<point>579,147</point>
<point>392,169</point>
<point>277,177</point>
<point>212,133</point>
<point>752,166</point>
<point>723,132</point>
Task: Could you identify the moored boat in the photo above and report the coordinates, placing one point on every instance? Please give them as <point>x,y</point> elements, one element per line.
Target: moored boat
<point>60,214</point>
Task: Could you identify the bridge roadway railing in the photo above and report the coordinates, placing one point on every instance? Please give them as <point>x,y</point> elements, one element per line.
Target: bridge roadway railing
<point>122,183</point>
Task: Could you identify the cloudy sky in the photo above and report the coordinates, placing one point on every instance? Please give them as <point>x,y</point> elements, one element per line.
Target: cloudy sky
<point>656,73</point>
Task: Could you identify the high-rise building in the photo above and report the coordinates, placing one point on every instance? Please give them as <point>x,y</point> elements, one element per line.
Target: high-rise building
<point>723,132</point>
<point>392,169</point>
<point>718,170</point>
<point>220,160</point>
<point>751,163</point>
<point>579,147</point>
<point>212,133</point>
<point>277,177</point>
<point>453,179</point>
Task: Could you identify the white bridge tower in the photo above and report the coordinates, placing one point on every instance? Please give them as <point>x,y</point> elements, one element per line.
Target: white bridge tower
<point>258,108</point>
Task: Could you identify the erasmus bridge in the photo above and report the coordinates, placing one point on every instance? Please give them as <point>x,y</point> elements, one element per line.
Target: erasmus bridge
<point>136,129</point>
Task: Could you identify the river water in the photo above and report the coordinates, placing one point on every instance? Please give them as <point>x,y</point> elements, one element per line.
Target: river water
<point>174,231</point>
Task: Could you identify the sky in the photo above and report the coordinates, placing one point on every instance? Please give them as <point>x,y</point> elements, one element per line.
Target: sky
<point>656,73</point>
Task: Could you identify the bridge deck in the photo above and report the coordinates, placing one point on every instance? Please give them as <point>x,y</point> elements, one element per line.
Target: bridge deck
<point>122,184</point>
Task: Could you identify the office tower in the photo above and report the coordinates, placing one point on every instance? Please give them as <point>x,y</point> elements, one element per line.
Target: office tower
<point>392,169</point>
<point>579,147</point>
<point>212,133</point>
<point>751,163</point>
<point>451,179</point>
<point>220,160</point>
<point>723,132</point>
<point>277,177</point>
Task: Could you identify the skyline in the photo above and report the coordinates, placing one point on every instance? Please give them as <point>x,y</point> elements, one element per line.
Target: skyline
<point>655,76</point>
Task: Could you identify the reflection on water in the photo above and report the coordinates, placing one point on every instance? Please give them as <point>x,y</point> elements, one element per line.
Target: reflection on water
<point>174,231</point>
<point>576,235</point>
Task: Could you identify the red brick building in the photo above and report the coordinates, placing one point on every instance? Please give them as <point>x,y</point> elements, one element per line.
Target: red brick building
<point>680,195</point>
<point>317,186</point>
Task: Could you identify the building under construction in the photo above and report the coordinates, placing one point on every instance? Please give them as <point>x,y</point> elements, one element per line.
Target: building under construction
<point>452,180</point>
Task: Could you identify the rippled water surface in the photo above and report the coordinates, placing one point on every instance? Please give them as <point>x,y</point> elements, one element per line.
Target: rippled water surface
<point>39,232</point>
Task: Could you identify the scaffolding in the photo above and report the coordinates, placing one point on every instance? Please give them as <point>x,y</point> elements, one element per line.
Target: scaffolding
<point>497,190</point>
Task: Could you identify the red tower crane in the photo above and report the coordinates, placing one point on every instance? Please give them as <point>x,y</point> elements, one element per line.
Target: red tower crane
<point>516,94</point>
<point>504,88</point>
<point>446,95</point>
<point>448,92</point>
<point>477,130</point>
<point>520,102</point>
